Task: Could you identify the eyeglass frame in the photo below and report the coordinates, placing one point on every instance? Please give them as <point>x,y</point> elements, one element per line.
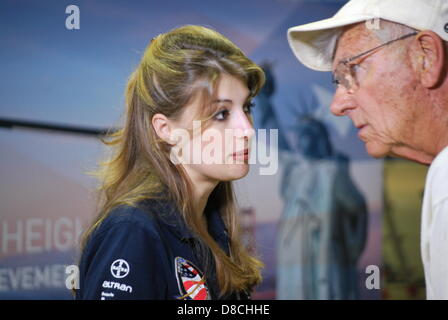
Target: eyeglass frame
<point>350,59</point>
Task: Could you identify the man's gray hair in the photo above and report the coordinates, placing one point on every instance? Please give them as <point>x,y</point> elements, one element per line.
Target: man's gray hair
<point>389,30</point>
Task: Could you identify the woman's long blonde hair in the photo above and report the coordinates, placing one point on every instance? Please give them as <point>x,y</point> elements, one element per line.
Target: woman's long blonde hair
<point>175,66</point>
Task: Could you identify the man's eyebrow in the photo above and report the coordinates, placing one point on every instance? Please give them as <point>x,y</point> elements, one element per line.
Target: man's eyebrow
<point>333,55</point>
<point>344,59</point>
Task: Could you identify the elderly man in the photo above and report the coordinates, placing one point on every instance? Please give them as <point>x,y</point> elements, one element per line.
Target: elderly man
<point>389,61</point>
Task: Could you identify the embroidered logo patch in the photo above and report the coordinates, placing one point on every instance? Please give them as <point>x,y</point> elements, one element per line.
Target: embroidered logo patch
<point>119,268</point>
<point>190,280</point>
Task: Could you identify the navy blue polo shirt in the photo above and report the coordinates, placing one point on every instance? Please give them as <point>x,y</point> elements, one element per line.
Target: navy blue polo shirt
<point>148,252</point>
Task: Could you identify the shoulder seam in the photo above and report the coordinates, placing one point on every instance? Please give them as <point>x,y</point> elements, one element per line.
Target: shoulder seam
<point>127,221</point>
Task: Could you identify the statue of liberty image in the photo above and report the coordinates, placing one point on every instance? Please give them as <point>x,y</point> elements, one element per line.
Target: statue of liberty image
<point>323,226</point>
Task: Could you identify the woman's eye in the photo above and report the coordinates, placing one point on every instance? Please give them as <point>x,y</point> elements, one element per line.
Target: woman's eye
<point>221,115</point>
<point>248,107</point>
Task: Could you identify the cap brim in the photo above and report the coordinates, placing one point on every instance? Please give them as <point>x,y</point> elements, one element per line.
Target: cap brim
<point>314,43</point>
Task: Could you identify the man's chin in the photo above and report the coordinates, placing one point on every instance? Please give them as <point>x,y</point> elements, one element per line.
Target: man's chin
<point>412,155</point>
<point>377,150</point>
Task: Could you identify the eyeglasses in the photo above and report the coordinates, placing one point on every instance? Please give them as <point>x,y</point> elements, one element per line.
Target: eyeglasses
<point>345,73</point>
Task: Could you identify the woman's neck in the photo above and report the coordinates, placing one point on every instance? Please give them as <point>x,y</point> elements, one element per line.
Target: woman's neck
<point>201,188</point>
<point>201,193</point>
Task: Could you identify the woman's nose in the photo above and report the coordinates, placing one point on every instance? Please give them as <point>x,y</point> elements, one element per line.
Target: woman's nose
<point>246,126</point>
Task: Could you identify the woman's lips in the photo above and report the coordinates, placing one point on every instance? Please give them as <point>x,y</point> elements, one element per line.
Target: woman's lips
<point>244,154</point>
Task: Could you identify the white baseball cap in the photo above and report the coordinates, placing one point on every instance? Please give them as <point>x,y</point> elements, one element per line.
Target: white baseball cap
<point>314,43</point>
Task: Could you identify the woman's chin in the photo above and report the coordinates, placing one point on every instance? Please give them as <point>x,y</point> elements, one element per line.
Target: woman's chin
<point>235,171</point>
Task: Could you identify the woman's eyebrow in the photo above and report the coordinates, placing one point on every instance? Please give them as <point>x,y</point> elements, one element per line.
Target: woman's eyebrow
<point>227,100</point>
<point>222,100</point>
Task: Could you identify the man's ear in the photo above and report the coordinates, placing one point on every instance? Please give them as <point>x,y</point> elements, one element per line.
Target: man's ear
<point>430,58</point>
<point>162,127</point>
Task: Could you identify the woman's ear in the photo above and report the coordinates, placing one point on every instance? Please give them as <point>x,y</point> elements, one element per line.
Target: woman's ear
<point>162,127</point>
<point>431,58</point>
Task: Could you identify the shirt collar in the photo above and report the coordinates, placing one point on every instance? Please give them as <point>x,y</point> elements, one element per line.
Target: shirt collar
<point>216,225</point>
<point>168,214</point>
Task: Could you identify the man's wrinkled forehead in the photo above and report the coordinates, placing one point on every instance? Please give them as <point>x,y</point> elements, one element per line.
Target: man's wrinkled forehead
<point>353,40</point>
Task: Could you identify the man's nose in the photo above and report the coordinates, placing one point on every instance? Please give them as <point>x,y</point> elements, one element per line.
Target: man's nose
<point>342,102</point>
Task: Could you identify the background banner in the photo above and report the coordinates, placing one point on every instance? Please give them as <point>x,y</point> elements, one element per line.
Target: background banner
<point>315,221</point>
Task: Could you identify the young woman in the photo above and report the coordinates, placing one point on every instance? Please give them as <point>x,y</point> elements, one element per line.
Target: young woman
<point>167,226</point>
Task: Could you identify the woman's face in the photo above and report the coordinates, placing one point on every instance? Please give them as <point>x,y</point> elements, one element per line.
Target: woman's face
<point>218,149</point>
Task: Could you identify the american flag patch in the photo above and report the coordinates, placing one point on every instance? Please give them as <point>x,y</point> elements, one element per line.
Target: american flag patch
<point>190,280</point>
